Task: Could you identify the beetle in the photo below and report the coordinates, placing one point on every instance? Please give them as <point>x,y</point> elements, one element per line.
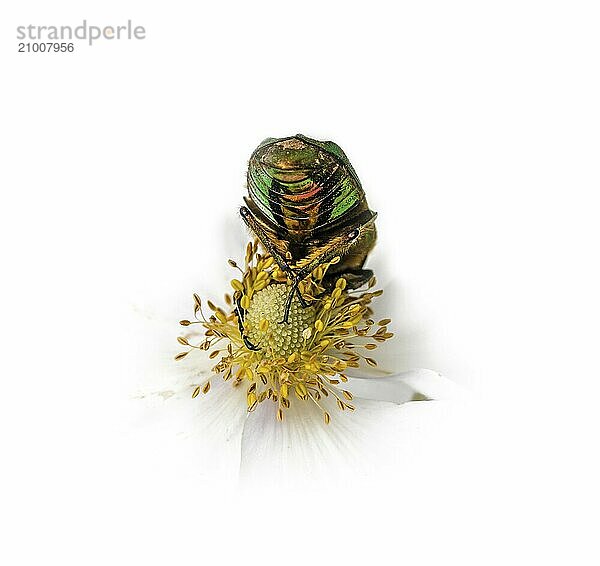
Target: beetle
<point>306,205</point>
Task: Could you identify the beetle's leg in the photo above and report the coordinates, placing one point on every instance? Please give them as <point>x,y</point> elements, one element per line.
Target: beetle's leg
<point>266,242</point>
<point>288,301</point>
<point>256,227</point>
<point>239,311</point>
<point>354,279</point>
<point>249,344</point>
<point>336,246</point>
<point>302,300</point>
<point>300,275</point>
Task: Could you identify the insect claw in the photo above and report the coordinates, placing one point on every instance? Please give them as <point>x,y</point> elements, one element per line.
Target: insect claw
<point>249,344</point>
<point>302,300</point>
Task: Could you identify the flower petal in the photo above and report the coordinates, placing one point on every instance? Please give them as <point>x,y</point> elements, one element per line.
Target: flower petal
<point>377,439</point>
<point>413,385</point>
<point>205,431</point>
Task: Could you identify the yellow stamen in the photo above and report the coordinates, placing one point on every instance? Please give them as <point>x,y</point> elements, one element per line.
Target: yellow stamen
<point>305,355</point>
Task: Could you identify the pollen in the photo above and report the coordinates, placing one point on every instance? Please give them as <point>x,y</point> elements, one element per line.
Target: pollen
<point>276,338</point>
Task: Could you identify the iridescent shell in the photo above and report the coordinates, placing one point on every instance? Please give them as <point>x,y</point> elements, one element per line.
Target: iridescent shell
<point>299,185</point>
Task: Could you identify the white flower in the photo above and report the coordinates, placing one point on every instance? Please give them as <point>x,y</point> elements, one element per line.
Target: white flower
<point>277,413</point>
<point>224,441</point>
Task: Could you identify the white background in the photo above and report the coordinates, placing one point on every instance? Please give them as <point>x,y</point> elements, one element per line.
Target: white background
<point>474,127</point>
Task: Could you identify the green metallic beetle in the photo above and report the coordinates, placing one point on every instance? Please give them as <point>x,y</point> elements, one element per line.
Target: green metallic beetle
<point>306,206</point>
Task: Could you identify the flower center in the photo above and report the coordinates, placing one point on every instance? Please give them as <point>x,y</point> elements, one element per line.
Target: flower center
<point>264,316</point>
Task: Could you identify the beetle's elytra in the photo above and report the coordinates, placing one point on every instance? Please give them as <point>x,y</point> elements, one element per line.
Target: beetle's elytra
<point>306,205</point>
